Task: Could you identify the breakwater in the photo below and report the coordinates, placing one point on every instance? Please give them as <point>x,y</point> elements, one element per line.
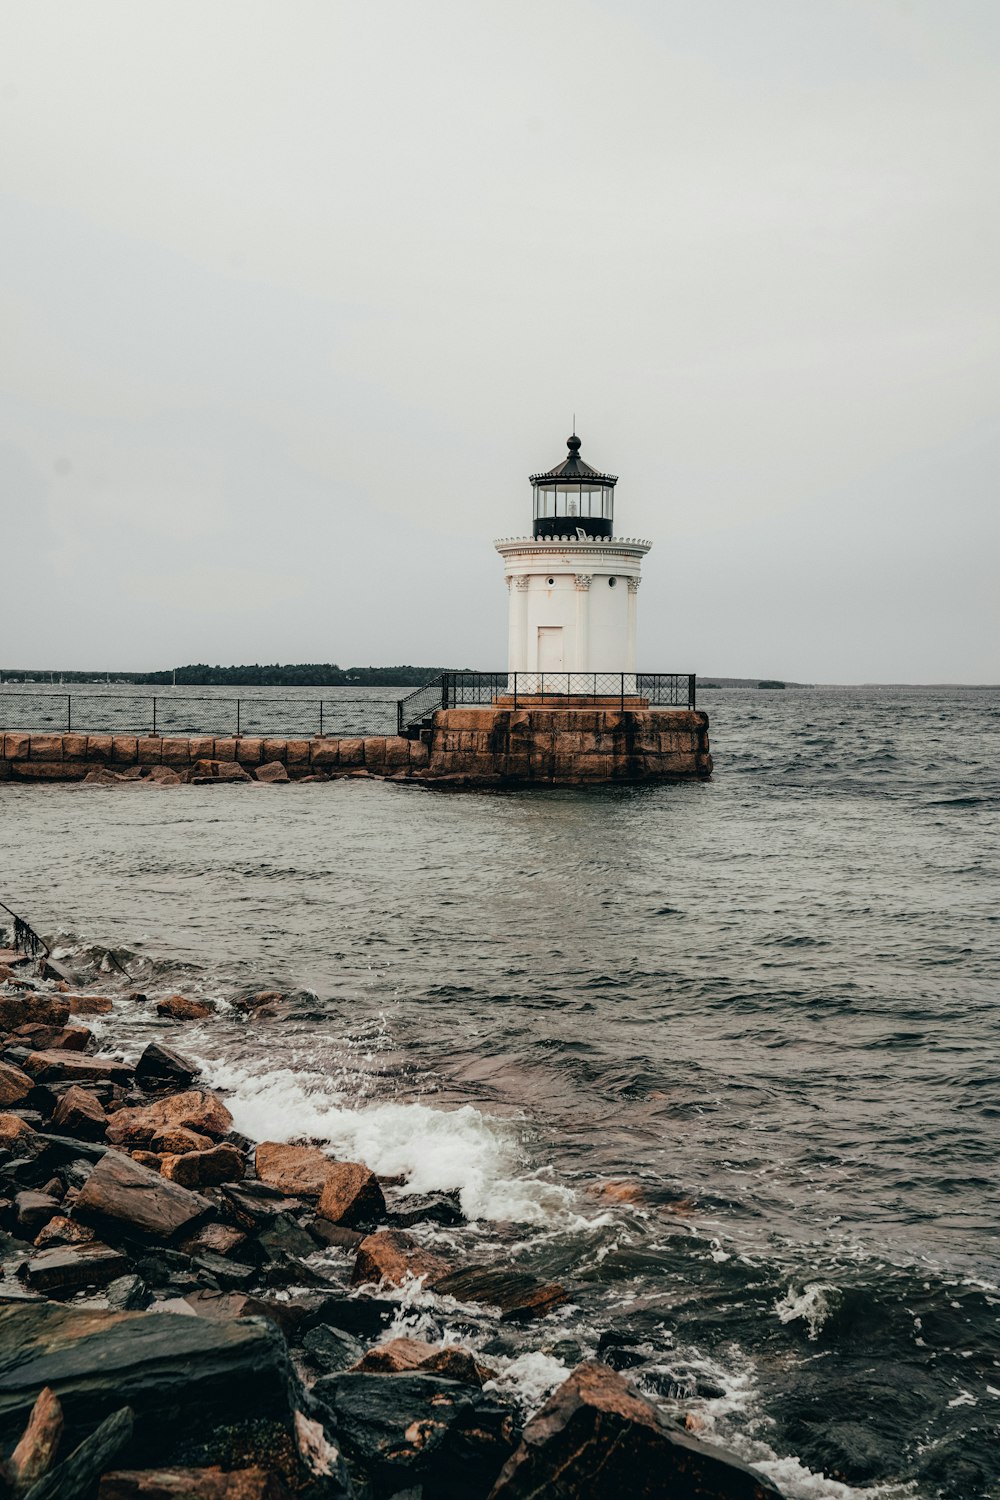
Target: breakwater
<point>470,747</point>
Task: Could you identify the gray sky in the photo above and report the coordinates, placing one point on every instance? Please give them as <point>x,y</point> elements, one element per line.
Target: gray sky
<point>294,296</point>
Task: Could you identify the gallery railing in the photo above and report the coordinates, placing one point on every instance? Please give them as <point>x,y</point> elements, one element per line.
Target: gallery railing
<point>521,689</point>
<point>128,713</point>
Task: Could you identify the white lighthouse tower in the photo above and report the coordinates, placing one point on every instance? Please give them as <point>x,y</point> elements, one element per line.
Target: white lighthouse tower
<point>573,586</point>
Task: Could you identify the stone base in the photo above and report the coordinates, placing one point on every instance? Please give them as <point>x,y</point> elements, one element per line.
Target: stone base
<point>489,746</point>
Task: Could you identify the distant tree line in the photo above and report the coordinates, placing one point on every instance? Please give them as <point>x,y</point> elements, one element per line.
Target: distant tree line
<point>296,674</point>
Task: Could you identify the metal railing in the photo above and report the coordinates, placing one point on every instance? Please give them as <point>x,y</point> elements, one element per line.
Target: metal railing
<point>25,938</point>
<point>128,713</point>
<point>522,689</point>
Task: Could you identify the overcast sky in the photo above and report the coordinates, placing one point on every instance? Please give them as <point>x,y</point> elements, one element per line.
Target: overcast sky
<point>294,296</point>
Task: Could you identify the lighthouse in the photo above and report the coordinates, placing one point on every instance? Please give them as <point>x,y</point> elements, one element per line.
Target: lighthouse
<point>573,586</point>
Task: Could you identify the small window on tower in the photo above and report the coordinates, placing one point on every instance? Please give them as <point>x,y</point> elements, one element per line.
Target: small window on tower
<point>612,582</point>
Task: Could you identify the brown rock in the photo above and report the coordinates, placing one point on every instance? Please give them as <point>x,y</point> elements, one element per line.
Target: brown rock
<point>204,772</point>
<point>46,1066</point>
<point>596,1439</point>
<point>204,1168</point>
<point>272,771</point>
<point>217,1239</point>
<point>90,1005</point>
<point>517,1295</point>
<point>393,1256</point>
<point>11,1127</point>
<point>395,1358</point>
<point>62,1231</point>
<point>123,1191</point>
<point>176,1140</point>
<point>196,1109</point>
<point>70,1039</point>
<point>191,1484</point>
<point>151,1159</point>
<point>351,1195</point>
<point>164,776</point>
<point>33,1211</point>
<point>79,1113</point>
<point>64,1269</point>
<point>14,1084</point>
<point>35,1453</point>
<point>180,1008</point>
<point>22,1009</point>
<point>293,1169</point>
<point>457,1364</point>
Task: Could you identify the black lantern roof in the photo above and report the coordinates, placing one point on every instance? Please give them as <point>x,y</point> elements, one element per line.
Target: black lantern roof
<point>573,468</point>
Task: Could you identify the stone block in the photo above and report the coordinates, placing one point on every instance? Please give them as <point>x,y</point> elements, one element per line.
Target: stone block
<point>324,752</point>
<point>273,750</point>
<point>595,767</point>
<point>249,750</point>
<point>100,749</point>
<point>125,750</point>
<point>375,752</point>
<point>397,752</point>
<point>49,770</point>
<point>225,749</point>
<point>296,753</point>
<point>481,719</point>
<point>202,748</point>
<point>150,750</point>
<point>74,747</point>
<point>175,752</point>
<point>16,746</point>
<point>419,754</point>
<point>352,753</point>
<point>46,747</point>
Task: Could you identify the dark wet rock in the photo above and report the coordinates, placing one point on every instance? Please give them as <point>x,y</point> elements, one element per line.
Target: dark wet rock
<point>196,1109</point>
<point>79,1112</point>
<point>392,1256</point>
<point>75,1477</point>
<point>621,1357</point>
<point>281,1239</point>
<point>336,1235</point>
<point>208,1168</point>
<point>121,1191</point>
<point>181,1008</point>
<point>293,1170</point>
<point>254,1204</point>
<point>419,1430</point>
<point>165,1268</point>
<point>64,1269</point>
<point>351,1195</point>
<point>128,1294</point>
<point>76,1067</point>
<point>596,1439</point>
<point>51,968</point>
<point>181,1375</point>
<point>331,1349</point>
<point>403,1356</point>
<point>62,1231</point>
<point>211,1483</point>
<point>518,1295</point>
<point>231,1275</point>
<point>567,1351</point>
<point>430,1208</point>
<point>161,1066</point>
<point>33,1210</point>
<point>214,1239</point>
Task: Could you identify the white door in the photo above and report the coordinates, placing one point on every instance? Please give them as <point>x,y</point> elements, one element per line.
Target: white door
<point>550,648</point>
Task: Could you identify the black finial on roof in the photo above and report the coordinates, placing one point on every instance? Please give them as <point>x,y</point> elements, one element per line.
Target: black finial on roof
<point>573,444</point>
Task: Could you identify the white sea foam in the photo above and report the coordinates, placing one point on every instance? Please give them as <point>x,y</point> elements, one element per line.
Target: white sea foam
<point>530,1378</point>
<point>436,1150</point>
<point>813,1304</point>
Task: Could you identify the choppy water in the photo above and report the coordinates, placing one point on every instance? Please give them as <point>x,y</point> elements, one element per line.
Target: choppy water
<point>771,1001</point>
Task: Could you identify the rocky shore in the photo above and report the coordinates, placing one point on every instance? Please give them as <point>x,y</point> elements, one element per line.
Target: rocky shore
<point>186,1313</point>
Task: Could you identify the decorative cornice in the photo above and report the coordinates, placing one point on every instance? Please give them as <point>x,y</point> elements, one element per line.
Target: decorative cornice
<point>582,581</point>
<point>527,546</point>
<point>521,580</point>
<point>633,584</point>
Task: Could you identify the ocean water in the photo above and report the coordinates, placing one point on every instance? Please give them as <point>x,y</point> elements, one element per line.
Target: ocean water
<point>724,1057</point>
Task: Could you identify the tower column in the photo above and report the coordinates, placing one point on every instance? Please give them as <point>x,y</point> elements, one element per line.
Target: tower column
<point>630,624</point>
<point>517,656</point>
<point>582,653</point>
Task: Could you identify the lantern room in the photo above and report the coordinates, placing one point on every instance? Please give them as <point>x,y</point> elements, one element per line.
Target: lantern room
<point>573,499</point>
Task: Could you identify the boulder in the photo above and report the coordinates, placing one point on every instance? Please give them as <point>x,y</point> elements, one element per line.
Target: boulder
<point>12,1128</point>
<point>596,1439</point>
<point>180,1374</point>
<point>37,1448</point>
<point>90,1005</point>
<point>393,1257</point>
<point>80,1113</point>
<point>161,1066</point>
<point>192,1484</point>
<point>351,1195</point>
<point>196,1109</point>
<point>204,1168</point>
<point>42,1009</point>
<point>69,1039</point>
<point>206,772</point>
<point>33,1210</point>
<point>15,1084</point>
<point>331,1349</point>
<point>292,1169</point>
<point>419,1430</point>
<point>163,776</point>
<point>62,1231</point>
<point>133,1197</point>
<point>175,1140</point>
<point>325,1233</point>
<point>253,1204</point>
<point>395,1357</point>
<point>216,1239</point>
<point>180,1008</point>
<point>76,1476</point>
<point>272,771</point>
<point>64,1269</point>
<point>77,1068</point>
<point>426,1208</point>
<point>128,1293</point>
<point>518,1296</point>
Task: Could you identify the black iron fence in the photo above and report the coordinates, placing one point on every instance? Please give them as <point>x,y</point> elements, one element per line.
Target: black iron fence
<point>520,689</point>
<point>127,713</point>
